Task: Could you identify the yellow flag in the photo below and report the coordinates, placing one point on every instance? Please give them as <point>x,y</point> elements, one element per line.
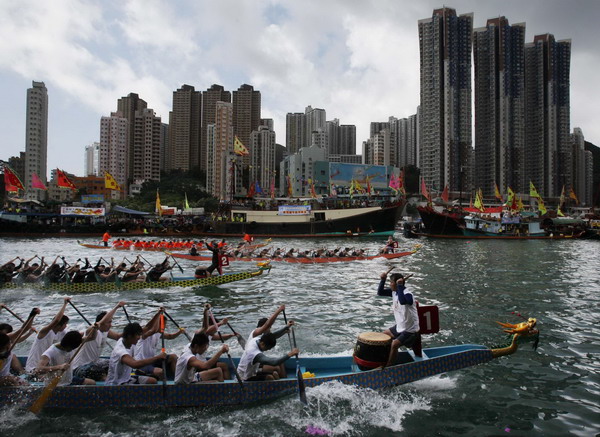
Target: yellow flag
<point>110,182</point>
<point>497,192</point>
<point>158,205</point>
<point>573,196</point>
<point>532,191</point>
<point>239,148</point>
<point>541,206</point>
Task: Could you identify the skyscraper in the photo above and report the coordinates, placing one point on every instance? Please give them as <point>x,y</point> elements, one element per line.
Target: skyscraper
<point>445,54</point>
<point>220,173</point>
<point>210,97</point>
<point>128,106</point>
<point>246,114</point>
<point>36,139</point>
<point>146,147</point>
<point>262,157</point>
<point>92,160</point>
<point>547,114</point>
<point>114,134</point>
<point>183,150</point>
<point>347,139</point>
<point>295,132</point>
<point>499,106</point>
<point>315,122</point>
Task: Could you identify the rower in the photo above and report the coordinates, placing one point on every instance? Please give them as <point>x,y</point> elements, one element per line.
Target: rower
<point>192,365</point>
<point>155,273</point>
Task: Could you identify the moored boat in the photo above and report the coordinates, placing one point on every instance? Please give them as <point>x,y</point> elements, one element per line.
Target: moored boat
<point>319,370</point>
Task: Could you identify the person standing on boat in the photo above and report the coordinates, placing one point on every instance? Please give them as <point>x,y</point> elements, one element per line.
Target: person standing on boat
<point>105,238</point>
<point>406,330</point>
<point>216,254</point>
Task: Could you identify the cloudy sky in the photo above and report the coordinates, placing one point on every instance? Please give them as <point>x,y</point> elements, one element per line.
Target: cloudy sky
<point>357,59</point>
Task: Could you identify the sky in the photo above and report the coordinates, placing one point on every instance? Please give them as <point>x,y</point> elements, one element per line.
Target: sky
<point>357,59</point>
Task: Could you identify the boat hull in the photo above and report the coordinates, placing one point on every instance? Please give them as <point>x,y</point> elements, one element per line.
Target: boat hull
<point>441,223</point>
<point>95,287</point>
<point>327,369</point>
<point>296,260</point>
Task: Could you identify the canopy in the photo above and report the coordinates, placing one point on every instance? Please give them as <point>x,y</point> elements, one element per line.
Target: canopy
<point>124,210</point>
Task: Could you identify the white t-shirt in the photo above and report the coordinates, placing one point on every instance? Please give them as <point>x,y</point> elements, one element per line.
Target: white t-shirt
<point>407,318</point>
<point>91,350</point>
<point>5,370</point>
<point>146,347</point>
<point>246,369</point>
<point>56,357</point>
<point>37,349</point>
<point>119,373</point>
<point>183,374</point>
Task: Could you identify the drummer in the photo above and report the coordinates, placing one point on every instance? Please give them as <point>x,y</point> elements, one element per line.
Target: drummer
<point>406,330</point>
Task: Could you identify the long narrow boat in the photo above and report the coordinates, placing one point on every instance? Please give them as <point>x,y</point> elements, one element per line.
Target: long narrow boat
<point>95,287</point>
<point>303,260</point>
<point>160,249</point>
<point>434,361</point>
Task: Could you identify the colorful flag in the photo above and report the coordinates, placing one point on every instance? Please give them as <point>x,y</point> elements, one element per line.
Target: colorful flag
<point>186,205</point>
<point>289,185</point>
<point>520,205</point>
<point>110,182</point>
<point>573,196</point>
<point>562,198</point>
<point>158,206</point>
<point>239,148</point>
<point>63,181</point>
<point>358,187</point>
<point>36,182</point>
<point>394,183</point>
<point>273,188</point>
<point>479,201</point>
<point>511,201</point>
<point>12,180</point>
<point>445,194</point>
<point>369,188</point>
<point>424,191</point>
<point>532,191</point>
<point>352,188</point>
<point>401,183</point>
<point>251,190</point>
<point>541,206</point>
<point>497,192</point>
<point>258,188</point>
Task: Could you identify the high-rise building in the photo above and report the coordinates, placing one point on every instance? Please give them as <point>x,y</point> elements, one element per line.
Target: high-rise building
<point>128,106</point>
<point>246,114</point>
<point>499,106</point>
<point>315,122</point>
<point>547,115</point>
<point>92,160</point>
<point>114,134</point>
<point>210,97</point>
<point>146,147</point>
<point>347,140</point>
<point>404,132</point>
<point>262,158</point>
<point>381,145</point>
<point>164,145</point>
<point>582,182</point>
<point>295,132</point>
<point>183,149</point>
<point>36,139</point>
<point>223,172</point>
<point>445,58</point>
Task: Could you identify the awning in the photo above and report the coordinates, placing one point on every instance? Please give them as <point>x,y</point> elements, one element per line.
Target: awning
<point>124,210</point>
<point>14,199</point>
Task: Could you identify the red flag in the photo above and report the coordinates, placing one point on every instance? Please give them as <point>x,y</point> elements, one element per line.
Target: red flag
<point>424,191</point>
<point>11,180</point>
<point>445,194</point>
<point>36,182</point>
<point>63,181</point>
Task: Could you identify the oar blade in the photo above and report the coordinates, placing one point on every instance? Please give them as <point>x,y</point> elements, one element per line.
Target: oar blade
<point>37,406</point>
<point>241,341</point>
<point>301,386</point>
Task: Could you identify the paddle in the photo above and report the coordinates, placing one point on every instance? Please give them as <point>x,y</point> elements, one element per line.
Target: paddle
<point>16,316</point>
<point>37,406</point>
<point>239,337</point>
<point>126,315</point>
<point>178,327</point>
<point>33,313</point>
<point>301,387</point>
<point>84,318</point>
<point>176,263</point>
<point>163,350</point>
<point>237,375</point>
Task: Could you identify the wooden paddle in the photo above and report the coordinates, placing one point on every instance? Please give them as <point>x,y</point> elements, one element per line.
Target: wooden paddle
<point>28,321</point>
<point>176,263</point>
<point>239,337</point>
<point>237,375</point>
<point>126,315</point>
<point>39,403</point>
<point>178,327</point>
<point>163,350</point>
<point>301,387</point>
<point>17,316</point>
<point>84,318</point>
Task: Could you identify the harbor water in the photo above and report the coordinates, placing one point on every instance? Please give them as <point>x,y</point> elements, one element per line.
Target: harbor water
<point>554,391</point>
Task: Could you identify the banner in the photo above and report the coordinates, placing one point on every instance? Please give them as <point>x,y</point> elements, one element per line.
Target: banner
<point>294,210</point>
<point>92,198</point>
<point>80,210</point>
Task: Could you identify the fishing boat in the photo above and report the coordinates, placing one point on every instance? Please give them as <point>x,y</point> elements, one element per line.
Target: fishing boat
<point>304,259</point>
<point>95,287</point>
<point>442,222</point>
<point>316,371</point>
<point>308,220</point>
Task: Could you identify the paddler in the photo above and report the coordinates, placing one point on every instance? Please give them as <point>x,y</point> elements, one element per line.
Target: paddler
<point>406,330</point>
<point>105,238</point>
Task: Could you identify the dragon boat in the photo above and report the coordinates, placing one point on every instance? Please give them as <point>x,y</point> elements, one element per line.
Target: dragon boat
<point>316,371</point>
<point>95,287</point>
<point>303,260</point>
<point>160,249</point>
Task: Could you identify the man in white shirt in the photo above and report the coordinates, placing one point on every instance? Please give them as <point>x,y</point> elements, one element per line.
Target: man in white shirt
<point>253,357</point>
<point>192,365</point>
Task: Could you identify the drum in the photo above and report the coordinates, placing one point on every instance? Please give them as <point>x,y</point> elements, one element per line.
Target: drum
<point>372,350</point>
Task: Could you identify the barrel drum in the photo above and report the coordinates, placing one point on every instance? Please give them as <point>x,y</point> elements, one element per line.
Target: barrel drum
<point>372,350</point>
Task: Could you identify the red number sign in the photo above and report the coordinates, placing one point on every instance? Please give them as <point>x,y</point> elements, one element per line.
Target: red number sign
<point>224,260</point>
<point>429,319</point>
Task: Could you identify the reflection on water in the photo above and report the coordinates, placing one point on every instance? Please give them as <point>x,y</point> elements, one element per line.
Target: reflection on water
<point>554,391</point>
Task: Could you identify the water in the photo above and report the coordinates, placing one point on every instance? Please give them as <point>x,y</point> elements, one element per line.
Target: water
<point>552,391</point>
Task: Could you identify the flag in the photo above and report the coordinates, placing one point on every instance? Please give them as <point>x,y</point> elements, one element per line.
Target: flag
<point>110,182</point>
<point>541,206</point>
<point>479,201</point>
<point>311,186</point>
<point>12,180</point>
<point>445,194</point>
<point>394,183</point>
<point>401,183</point>
<point>251,190</point>
<point>63,181</point>
<point>497,192</point>
<point>158,206</point>
<point>258,188</point>
<point>239,148</point>
<point>559,212</point>
<point>424,191</point>
<point>36,182</point>
<point>358,187</point>
<point>562,198</point>
<point>532,191</point>
<point>520,205</point>
<point>369,188</point>
<point>186,205</point>
<point>289,185</point>
<point>352,188</point>
<point>511,201</point>
<point>573,196</point>
<point>273,188</point>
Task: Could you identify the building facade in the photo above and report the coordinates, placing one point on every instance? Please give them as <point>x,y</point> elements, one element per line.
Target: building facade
<point>262,158</point>
<point>295,131</point>
<point>146,147</point>
<point>36,139</point>
<point>92,160</point>
<point>128,106</point>
<point>223,174</point>
<point>113,151</point>
<point>185,121</point>
<point>210,98</point>
<point>246,114</point>
<point>445,65</point>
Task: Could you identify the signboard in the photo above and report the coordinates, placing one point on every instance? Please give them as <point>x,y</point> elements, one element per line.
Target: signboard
<point>92,198</point>
<point>342,174</point>
<point>429,319</point>
<point>80,210</point>
<point>294,210</point>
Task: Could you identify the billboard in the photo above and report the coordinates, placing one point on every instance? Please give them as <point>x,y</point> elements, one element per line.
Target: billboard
<point>92,198</point>
<point>342,174</point>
